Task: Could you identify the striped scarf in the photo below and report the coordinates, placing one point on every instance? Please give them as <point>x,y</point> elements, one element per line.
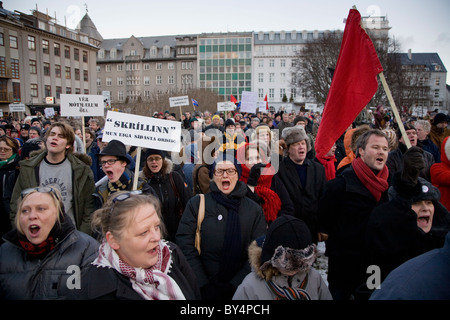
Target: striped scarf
<point>153,283</point>
<point>289,293</point>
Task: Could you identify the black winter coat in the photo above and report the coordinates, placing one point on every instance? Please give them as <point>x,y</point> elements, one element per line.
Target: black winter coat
<point>344,212</point>
<point>99,283</point>
<point>393,236</point>
<point>305,199</point>
<point>170,203</point>
<point>206,266</point>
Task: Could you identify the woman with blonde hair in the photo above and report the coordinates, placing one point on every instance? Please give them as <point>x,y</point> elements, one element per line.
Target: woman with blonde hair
<point>37,255</point>
<point>133,261</point>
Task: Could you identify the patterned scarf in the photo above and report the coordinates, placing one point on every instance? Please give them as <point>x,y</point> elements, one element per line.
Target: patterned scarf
<point>153,283</point>
<point>123,183</point>
<point>39,250</point>
<point>289,293</point>
<point>376,184</point>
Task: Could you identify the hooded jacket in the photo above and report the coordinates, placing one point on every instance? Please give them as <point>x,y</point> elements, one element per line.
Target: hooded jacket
<point>161,184</point>
<point>254,286</point>
<point>440,174</point>
<point>82,183</point>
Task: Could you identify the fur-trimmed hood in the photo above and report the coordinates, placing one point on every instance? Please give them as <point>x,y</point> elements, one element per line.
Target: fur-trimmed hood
<point>267,271</point>
<point>166,168</point>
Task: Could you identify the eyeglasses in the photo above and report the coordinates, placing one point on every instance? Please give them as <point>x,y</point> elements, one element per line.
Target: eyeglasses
<point>220,172</point>
<point>26,192</point>
<point>156,159</point>
<point>5,149</point>
<point>110,162</point>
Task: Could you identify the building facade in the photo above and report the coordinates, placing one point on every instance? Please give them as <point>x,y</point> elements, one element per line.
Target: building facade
<point>40,59</point>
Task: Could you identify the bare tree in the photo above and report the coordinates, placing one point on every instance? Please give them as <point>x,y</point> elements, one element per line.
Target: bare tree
<point>159,102</point>
<point>311,72</point>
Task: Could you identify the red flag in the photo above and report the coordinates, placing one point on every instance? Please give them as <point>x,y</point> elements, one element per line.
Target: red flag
<point>267,102</point>
<point>233,99</point>
<point>353,86</point>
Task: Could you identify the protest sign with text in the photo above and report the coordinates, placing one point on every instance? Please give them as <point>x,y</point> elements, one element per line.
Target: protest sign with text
<point>75,105</point>
<point>140,131</point>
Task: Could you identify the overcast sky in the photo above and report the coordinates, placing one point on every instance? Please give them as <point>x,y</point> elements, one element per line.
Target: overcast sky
<point>423,26</point>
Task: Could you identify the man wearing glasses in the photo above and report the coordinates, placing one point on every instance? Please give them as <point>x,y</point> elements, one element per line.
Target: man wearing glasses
<point>59,166</point>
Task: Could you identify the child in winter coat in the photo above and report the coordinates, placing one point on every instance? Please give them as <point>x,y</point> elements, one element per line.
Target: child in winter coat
<point>282,266</point>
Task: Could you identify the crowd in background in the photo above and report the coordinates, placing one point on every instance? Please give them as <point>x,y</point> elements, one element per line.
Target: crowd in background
<point>266,198</point>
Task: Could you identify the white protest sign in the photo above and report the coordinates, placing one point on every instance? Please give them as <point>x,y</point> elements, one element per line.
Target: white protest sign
<point>49,112</point>
<point>140,131</point>
<point>262,107</point>
<point>179,101</point>
<point>249,101</point>
<point>226,106</point>
<point>16,107</point>
<point>73,105</point>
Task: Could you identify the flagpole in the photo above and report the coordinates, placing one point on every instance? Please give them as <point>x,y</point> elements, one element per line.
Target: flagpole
<point>394,109</point>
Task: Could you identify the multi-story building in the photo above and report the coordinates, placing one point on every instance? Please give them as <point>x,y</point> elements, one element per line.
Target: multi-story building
<point>225,63</point>
<point>135,68</point>
<point>40,59</point>
<point>426,76</point>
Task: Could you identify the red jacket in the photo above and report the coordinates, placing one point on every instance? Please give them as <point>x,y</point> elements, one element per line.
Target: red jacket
<point>440,173</point>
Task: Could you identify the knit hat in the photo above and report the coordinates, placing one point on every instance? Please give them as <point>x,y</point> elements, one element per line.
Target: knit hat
<point>295,134</point>
<point>428,192</point>
<point>115,148</point>
<point>408,126</point>
<point>440,117</point>
<point>229,122</point>
<point>288,246</point>
<point>150,152</point>
<point>225,157</point>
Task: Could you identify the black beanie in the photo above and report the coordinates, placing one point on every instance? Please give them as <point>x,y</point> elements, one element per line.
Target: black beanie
<point>150,151</point>
<point>286,231</point>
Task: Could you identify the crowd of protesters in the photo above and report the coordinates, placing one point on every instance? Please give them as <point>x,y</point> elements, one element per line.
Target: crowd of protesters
<point>236,214</point>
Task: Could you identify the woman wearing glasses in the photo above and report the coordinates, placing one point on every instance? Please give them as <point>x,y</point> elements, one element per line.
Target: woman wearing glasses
<point>9,163</point>
<point>231,222</point>
<point>133,261</point>
<point>42,258</point>
<point>170,187</point>
<point>118,177</point>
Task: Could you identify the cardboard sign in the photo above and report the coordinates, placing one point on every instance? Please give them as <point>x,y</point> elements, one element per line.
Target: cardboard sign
<point>73,105</point>
<point>140,131</point>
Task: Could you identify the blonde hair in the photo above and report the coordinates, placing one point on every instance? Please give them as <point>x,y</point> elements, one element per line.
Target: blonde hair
<point>57,201</point>
<point>114,215</point>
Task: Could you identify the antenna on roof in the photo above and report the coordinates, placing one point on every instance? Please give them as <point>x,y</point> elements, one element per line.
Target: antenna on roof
<point>85,4</point>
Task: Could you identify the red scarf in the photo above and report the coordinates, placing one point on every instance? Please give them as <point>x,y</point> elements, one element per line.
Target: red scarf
<point>328,163</point>
<point>271,201</point>
<point>36,250</point>
<point>376,184</point>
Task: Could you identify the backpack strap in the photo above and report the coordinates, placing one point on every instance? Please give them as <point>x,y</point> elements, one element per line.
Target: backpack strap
<point>201,215</point>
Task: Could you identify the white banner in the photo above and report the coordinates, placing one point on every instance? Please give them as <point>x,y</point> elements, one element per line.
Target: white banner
<point>73,105</point>
<point>179,101</point>
<point>226,106</point>
<point>140,131</point>
<point>16,107</point>
<point>249,101</point>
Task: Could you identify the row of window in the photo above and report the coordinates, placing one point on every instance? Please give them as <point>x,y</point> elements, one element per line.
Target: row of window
<point>135,81</point>
<point>58,90</point>
<point>68,72</point>
<point>272,63</point>
<point>282,77</point>
<point>291,92</point>
<point>188,65</point>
